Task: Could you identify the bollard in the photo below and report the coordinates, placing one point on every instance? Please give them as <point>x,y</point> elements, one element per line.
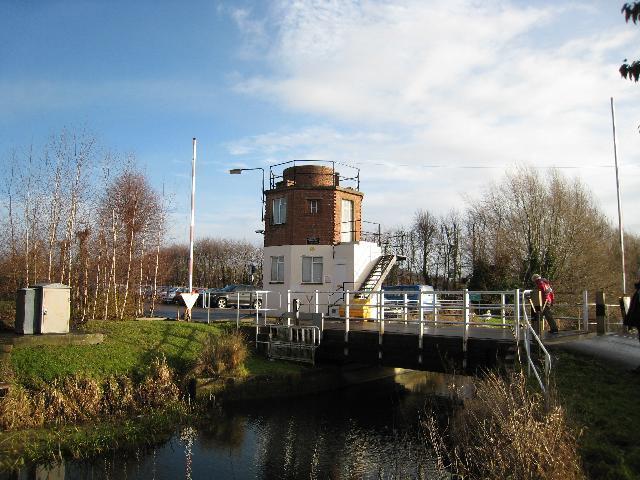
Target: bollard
<point>601,313</point>
<point>585,311</point>
<point>296,310</point>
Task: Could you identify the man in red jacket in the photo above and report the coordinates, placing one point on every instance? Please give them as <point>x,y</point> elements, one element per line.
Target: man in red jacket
<point>543,285</point>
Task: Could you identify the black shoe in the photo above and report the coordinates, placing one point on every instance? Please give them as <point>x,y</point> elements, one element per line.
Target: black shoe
<point>553,332</point>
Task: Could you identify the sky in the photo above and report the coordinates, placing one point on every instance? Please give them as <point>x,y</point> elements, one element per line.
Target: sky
<point>432,100</point>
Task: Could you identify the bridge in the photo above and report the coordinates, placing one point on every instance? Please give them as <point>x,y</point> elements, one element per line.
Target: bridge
<point>452,331</point>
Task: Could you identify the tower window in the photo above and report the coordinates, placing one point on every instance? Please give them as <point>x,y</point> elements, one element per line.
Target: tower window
<point>279,210</point>
<point>311,269</point>
<point>277,269</point>
<point>314,205</point>
<point>347,227</point>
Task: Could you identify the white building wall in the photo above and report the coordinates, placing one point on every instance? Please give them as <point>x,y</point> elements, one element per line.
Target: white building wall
<point>353,261</point>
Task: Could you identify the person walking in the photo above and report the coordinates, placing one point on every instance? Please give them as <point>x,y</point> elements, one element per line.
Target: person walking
<point>544,286</point>
<point>632,317</point>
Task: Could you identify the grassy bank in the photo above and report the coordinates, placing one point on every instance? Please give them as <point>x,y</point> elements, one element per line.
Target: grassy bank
<point>129,349</point>
<point>603,402</point>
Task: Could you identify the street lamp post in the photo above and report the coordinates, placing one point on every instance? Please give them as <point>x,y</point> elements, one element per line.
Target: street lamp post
<point>238,171</point>
<point>620,230</point>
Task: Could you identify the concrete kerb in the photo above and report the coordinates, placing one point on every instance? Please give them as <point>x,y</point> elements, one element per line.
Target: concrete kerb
<point>52,339</point>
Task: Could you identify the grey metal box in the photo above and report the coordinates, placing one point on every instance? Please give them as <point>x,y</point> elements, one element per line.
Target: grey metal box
<point>27,312</point>
<point>53,301</point>
<point>43,308</point>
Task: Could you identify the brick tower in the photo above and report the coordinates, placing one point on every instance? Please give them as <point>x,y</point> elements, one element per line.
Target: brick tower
<point>308,207</point>
<point>312,237</point>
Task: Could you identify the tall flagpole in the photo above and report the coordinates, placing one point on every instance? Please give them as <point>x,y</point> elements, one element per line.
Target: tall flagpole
<point>190,297</point>
<point>193,204</point>
<point>620,230</point>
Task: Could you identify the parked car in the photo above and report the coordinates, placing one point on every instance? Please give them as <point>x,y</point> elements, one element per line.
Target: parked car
<point>237,296</point>
<point>397,297</point>
<point>168,295</point>
<point>171,296</point>
<point>207,295</point>
<point>178,300</point>
<point>161,291</point>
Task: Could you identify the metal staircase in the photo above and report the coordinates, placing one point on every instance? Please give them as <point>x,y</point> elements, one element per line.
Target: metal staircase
<point>377,275</point>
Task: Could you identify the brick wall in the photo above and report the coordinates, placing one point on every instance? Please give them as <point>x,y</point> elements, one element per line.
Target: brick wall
<point>310,175</point>
<point>302,225</point>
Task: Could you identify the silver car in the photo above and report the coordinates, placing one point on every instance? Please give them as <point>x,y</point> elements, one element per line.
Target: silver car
<point>236,296</point>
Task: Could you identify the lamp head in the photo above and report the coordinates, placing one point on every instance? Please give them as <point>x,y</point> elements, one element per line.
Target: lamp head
<point>235,171</point>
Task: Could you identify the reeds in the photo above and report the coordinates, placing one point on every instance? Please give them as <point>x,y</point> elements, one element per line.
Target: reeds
<point>506,431</point>
<point>76,399</point>
<point>222,355</point>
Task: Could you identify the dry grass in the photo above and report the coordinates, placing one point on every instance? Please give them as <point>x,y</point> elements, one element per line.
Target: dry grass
<point>507,432</point>
<point>6,372</point>
<point>118,398</point>
<point>158,388</point>
<point>75,399</point>
<point>222,355</point>
<point>20,409</point>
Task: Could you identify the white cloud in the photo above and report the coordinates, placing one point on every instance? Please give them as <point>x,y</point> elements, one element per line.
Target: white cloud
<point>373,61</point>
<point>450,83</point>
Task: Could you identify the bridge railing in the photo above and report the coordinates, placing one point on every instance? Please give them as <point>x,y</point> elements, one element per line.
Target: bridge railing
<point>496,309</point>
<point>440,308</point>
<point>530,336</point>
<point>415,313</point>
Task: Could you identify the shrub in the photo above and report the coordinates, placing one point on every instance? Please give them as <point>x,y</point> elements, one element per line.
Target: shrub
<point>19,409</point>
<point>222,355</point>
<point>158,388</point>
<point>72,400</point>
<point>118,396</point>
<point>507,431</point>
<point>7,315</point>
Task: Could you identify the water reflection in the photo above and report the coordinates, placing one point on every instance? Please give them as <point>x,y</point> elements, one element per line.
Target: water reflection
<point>367,431</point>
<point>187,436</point>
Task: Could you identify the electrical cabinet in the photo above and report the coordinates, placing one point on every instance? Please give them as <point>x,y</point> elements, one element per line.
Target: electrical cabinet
<point>43,308</point>
<point>27,317</point>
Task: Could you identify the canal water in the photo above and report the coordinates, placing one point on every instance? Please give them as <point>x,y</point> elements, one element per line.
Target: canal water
<point>370,430</point>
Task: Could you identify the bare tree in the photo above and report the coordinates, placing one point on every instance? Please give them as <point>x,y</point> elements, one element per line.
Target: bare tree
<point>134,207</point>
<point>426,227</point>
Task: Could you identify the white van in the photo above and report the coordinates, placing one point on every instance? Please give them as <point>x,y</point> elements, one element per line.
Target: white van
<point>401,296</point>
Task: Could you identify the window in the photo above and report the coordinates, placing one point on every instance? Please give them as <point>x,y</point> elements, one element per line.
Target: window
<point>277,269</point>
<point>347,227</point>
<point>313,205</point>
<point>311,269</point>
<point>279,210</point>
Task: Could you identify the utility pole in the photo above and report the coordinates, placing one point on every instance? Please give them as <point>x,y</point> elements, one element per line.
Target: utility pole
<point>620,230</point>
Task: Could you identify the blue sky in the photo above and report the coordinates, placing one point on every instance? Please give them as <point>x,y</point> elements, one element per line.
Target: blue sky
<point>393,87</point>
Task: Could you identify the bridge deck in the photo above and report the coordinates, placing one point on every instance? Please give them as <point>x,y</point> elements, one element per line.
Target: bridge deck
<point>497,334</point>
